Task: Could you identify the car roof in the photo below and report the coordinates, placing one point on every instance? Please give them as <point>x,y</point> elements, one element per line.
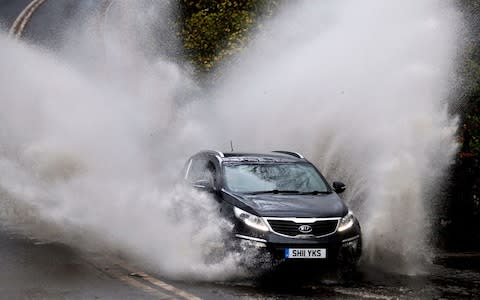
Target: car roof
<point>275,156</point>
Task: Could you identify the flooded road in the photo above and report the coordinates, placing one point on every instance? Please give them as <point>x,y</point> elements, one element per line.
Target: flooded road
<point>32,269</point>
<point>453,276</point>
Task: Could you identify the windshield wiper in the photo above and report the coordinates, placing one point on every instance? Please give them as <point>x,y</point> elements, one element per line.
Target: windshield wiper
<point>316,192</point>
<point>276,192</point>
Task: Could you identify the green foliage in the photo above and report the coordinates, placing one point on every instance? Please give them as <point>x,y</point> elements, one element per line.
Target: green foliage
<point>470,133</point>
<point>214,30</point>
<point>473,128</point>
<point>470,72</point>
<point>471,119</point>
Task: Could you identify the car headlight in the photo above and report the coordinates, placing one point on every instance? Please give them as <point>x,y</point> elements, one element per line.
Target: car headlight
<point>250,220</point>
<point>346,222</point>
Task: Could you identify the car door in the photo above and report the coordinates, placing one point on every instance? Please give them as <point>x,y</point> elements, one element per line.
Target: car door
<point>201,171</point>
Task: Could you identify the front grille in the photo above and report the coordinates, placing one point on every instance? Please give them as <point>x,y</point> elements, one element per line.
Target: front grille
<point>290,228</point>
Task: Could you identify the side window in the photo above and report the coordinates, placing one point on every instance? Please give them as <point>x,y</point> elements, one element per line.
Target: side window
<point>201,169</point>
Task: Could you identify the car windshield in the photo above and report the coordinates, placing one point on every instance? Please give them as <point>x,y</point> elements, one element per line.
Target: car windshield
<point>274,178</point>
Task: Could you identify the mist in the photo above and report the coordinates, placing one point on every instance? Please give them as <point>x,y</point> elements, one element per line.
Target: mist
<point>93,136</point>
<point>87,156</point>
<point>361,89</point>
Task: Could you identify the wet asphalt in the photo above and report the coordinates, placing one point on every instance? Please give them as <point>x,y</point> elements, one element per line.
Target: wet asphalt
<point>452,276</point>
<point>32,269</point>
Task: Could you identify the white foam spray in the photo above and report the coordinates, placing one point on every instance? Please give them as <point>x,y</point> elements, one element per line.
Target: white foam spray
<point>361,88</point>
<point>87,154</point>
<point>92,140</point>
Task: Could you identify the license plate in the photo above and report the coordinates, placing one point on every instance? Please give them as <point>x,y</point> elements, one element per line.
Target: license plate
<point>305,253</point>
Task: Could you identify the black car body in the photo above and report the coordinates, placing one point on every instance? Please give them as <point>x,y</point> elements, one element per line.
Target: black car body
<point>279,202</point>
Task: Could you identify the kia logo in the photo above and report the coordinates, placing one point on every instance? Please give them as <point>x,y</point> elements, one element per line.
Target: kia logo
<point>305,229</point>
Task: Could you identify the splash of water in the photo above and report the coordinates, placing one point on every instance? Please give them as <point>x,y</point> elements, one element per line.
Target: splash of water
<point>360,88</point>
<point>84,153</point>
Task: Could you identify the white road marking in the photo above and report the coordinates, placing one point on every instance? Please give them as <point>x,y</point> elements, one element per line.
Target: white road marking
<point>168,287</point>
<point>24,18</point>
<point>118,272</point>
<point>139,285</point>
<point>126,273</point>
<point>158,282</point>
<point>16,31</point>
<point>365,295</point>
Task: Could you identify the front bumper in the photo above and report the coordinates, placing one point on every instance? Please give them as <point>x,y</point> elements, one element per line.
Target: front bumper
<point>340,247</point>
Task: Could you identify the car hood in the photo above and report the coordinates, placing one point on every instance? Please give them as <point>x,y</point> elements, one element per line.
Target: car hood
<point>288,205</point>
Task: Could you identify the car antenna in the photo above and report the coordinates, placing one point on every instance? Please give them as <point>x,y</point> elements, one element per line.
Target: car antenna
<point>231,145</point>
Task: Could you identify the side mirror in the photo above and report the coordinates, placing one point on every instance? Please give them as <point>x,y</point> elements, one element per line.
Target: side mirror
<point>204,185</point>
<point>339,187</point>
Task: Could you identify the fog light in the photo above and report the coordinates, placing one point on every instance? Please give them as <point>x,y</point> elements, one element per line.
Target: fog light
<point>351,242</point>
<point>251,244</point>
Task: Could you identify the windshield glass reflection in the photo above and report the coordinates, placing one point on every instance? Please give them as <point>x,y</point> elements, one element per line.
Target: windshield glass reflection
<point>275,178</point>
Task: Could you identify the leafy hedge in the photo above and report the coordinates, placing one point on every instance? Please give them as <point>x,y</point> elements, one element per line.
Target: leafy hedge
<point>470,132</point>
<point>470,71</point>
<point>214,30</point>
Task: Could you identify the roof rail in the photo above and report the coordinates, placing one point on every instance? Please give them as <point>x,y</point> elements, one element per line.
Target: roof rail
<point>295,154</point>
<point>215,152</point>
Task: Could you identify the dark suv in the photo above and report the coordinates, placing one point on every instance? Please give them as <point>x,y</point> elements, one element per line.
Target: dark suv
<point>279,202</point>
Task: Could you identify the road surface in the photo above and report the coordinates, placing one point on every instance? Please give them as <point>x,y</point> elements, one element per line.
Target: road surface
<point>33,269</point>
